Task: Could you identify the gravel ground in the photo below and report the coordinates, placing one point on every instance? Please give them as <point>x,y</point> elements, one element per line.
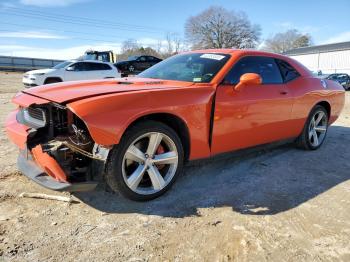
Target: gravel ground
<point>277,204</point>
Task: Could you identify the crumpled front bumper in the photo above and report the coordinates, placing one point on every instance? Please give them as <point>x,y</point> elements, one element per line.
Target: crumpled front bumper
<point>28,167</point>
<point>16,132</point>
<point>38,165</point>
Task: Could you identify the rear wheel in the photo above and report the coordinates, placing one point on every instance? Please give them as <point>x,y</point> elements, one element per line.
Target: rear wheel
<point>315,129</point>
<point>146,162</point>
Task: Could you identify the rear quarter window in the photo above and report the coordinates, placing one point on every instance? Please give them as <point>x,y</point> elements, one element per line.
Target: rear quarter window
<point>288,72</point>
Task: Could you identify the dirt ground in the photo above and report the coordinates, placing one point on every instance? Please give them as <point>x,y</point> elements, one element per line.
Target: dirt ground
<point>279,204</point>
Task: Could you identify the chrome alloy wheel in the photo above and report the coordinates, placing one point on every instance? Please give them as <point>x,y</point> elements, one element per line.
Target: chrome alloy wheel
<point>318,128</point>
<point>150,163</point>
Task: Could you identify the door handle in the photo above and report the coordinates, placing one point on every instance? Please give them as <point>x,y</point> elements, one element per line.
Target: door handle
<point>283,92</point>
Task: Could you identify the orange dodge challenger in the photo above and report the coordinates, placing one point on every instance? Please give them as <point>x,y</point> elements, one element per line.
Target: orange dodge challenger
<point>138,132</point>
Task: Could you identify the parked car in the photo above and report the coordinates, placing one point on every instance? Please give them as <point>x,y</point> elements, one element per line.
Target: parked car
<point>139,131</point>
<point>343,79</point>
<point>136,64</point>
<point>69,71</point>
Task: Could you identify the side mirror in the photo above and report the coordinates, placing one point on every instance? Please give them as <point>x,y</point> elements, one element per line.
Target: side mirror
<point>70,68</point>
<point>248,79</point>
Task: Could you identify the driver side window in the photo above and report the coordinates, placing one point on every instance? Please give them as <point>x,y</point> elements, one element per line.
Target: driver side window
<point>78,66</point>
<point>266,67</point>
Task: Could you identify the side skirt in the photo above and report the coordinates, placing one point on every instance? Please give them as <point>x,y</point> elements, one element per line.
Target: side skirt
<point>246,152</point>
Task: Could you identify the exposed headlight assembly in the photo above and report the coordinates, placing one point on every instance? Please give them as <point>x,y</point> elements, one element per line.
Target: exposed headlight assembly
<point>32,116</point>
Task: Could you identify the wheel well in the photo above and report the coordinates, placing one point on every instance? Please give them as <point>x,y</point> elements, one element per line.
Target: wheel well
<point>327,106</point>
<point>58,79</point>
<point>174,122</point>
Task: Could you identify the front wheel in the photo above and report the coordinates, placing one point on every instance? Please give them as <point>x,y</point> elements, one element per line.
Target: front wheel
<point>315,129</point>
<point>146,162</point>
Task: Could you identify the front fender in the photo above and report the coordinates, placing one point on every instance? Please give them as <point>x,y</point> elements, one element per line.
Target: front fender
<point>108,116</point>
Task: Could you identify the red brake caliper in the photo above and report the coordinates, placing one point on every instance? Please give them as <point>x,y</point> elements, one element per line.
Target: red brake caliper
<point>160,150</point>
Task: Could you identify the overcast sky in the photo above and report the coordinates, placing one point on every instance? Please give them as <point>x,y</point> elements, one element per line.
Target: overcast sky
<point>64,29</point>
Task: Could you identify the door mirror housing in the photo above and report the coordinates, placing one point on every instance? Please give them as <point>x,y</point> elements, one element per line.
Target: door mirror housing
<point>70,68</point>
<point>248,79</point>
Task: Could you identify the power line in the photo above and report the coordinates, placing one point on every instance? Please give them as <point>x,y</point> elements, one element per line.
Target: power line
<point>37,17</point>
<point>78,38</point>
<point>83,19</point>
<point>84,39</point>
<point>109,41</point>
<point>78,21</point>
<point>59,31</point>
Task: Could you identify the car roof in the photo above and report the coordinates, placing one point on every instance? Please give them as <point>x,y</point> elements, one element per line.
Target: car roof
<point>142,55</point>
<point>239,51</point>
<point>89,61</point>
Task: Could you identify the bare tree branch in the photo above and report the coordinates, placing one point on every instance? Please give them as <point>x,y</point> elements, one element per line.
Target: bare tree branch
<point>290,39</point>
<point>217,27</point>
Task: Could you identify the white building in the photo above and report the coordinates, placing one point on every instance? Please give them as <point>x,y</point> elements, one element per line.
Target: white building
<point>331,58</point>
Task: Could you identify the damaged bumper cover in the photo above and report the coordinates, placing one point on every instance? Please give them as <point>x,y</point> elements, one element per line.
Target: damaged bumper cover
<point>28,167</point>
<point>40,165</point>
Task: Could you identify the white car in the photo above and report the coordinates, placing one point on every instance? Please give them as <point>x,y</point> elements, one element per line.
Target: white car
<point>70,71</point>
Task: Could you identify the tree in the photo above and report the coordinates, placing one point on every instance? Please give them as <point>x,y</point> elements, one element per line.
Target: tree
<point>169,43</point>
<point>130,47</point>
<point>217,27</point>
<point>173,44</point>
<point>290,39</point>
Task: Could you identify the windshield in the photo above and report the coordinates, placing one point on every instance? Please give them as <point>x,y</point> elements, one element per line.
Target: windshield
<point>62,65</point>
<point>130,58</point>
<point>194,67</point>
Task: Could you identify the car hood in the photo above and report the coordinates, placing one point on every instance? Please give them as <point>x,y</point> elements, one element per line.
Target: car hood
<point>75,90</point>
<point>40,71</point>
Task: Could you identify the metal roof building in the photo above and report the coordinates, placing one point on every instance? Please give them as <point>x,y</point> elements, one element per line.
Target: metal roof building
<point>331,58</point>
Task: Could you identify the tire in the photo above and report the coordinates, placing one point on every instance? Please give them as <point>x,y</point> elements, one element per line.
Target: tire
<point>138,176</point>
<point>52,80</point>
<point>313,128</point>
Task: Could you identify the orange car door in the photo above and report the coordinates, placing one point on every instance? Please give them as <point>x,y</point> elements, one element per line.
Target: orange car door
<point>254,115</point>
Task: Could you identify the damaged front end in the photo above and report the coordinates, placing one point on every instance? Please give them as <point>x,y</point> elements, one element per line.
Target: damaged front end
<point>59,152</point>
